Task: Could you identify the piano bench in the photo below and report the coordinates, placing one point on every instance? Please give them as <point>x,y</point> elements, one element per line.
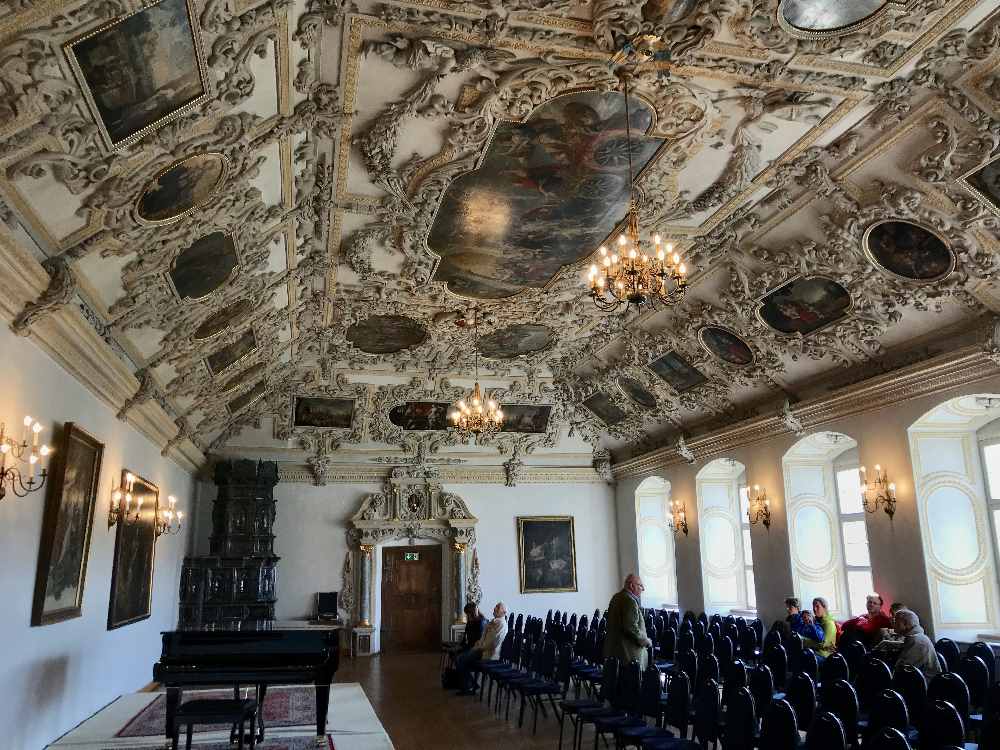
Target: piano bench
<point>230,711</point>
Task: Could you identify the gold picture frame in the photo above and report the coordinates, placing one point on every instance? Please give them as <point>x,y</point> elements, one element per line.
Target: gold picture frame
<point>546,554</point>
<point>196,195</point>
<point>128,96</point>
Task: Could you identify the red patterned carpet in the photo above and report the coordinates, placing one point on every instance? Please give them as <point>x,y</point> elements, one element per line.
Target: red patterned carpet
<point>280,743</point>
<point>283,707</point>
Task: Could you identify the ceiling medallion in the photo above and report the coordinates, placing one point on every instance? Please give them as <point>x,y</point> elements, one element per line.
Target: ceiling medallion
<point>628,275</point>
<point>475,415</point>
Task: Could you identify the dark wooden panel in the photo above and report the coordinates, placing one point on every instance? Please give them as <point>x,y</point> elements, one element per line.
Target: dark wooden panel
<point>411,598</point>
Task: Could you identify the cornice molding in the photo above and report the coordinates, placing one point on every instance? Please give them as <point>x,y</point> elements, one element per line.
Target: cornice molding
<point>296,473</point>
<point>944,373</point>
<point>67,337</point>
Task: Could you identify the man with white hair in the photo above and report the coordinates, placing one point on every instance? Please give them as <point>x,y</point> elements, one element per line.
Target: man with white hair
<point>626,637</point>
<point>918,650</point>
<point>487,648</point>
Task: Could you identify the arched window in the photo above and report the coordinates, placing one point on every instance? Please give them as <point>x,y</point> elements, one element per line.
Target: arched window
<point>955,451</point>
<point>724,532</point>
<point>826,523</point>
<point>656,542</point>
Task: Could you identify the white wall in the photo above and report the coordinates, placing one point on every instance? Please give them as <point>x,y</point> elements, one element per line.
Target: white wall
<point>55,676</point>
<point>311,527</point>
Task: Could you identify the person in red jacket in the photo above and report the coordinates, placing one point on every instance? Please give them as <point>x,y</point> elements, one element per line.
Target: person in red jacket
<point>867,627</point>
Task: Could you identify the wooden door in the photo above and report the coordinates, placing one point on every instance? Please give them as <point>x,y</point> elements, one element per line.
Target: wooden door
<point>411,598</point>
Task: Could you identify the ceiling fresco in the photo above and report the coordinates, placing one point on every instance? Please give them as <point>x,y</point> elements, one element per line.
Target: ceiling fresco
<point>262,205</point>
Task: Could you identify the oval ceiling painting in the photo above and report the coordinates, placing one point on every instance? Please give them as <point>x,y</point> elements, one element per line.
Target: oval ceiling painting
<point>205,266</point>
<point>804,305</point>
<point>181,188</point>
<point>547,192</point>
<point>827,17</point>
<point>726,345</point>
<point>516,341</point>
<point>637,392</point>
<point>908,251</point>
<point>386,334</point>
<point>221,320</point>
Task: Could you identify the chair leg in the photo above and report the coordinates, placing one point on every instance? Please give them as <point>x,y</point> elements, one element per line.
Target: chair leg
<point>239,741</point>
<point>253,731</point>
<point>190,736</point>
<point>520,715</point>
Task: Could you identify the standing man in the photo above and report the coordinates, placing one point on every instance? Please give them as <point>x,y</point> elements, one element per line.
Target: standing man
<point>626,638</point>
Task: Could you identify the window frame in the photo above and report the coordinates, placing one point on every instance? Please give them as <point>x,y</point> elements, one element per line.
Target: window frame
<point>843,519</point>
<point>663,524</point>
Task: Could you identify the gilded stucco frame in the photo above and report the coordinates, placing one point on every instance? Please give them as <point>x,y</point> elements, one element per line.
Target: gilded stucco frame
<point>520,550</point>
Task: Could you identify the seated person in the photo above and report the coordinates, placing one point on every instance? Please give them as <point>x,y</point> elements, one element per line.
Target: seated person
<point>487,648</point>
<point>801,622</point>
<point>828,644</point>
<point>918,650</point>
<point>474,624</point>
<point>866,628</point>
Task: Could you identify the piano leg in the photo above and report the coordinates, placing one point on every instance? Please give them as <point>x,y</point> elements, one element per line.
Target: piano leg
<point>322,705</point>
<point>173,701</point>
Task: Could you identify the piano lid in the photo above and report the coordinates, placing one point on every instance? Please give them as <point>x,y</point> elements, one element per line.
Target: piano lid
<point>258,626</point>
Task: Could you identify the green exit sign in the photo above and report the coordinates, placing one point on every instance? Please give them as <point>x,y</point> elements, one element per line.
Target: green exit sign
<point>411,555</point>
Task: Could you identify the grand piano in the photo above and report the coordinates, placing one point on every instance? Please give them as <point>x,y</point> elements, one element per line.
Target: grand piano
<point>254,653</point>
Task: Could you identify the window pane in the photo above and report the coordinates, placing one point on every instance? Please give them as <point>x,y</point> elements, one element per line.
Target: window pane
<point>751,590</point>
<point>747,550</point>
<point>859,585</point>
<point>651,507</point>
<point>996,526</point>
<point>744,502</point>
<point>849,490</point>
<point>856,543</point>
<point>991,456</point>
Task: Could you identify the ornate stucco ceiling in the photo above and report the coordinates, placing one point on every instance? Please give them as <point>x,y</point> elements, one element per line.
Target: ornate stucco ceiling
<point>341,144</point>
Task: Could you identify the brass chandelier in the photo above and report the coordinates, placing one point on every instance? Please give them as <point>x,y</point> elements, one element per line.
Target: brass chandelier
<point>476,415</point>
<point>628,274</point>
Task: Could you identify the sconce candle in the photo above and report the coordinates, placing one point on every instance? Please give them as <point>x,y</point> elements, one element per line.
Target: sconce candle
<point>32,454</point>
<point>759,507</point>
<point>678,517</point>
<point>169,520</point>
<point>877,492</point>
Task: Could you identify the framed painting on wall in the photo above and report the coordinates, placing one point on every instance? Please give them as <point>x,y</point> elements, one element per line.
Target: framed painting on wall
<point>66,527</point>
<point>546,551</point>
<point>132,569</point>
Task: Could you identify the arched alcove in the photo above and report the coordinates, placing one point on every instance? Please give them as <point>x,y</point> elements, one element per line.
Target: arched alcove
<point>655,538</point>
<point>724,534</point>
<point>827,533</point>
<point>955,453</point>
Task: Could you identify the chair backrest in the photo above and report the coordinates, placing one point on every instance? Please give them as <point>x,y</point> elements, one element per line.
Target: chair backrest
<point>708,669</point>
<point>741,721</point>
<point>801,693</point>
<point>809,664</point>
<point>855,653</point>
<point>572,621</point>
<point>564,667</point>
<point>950,687</point>
<point>748,645</point>
<point>888,738</point>
<point>841,698</point>
<point>872,680</point>
<point>835,667</point>
<point>985,652</point>
<point>941,726</point>
<point>685,641</point>
<point>910,683</point>
<point>773,638</point>
<point>668,643</point>
<point>715,629</point>
<point>609,679</point>
<point>725,650</point>
<point>758,627</point>
<point>889,711</point>
<point>706,712</point>
<point>777,659</point>
<point>793,647</point>
<point>679,702</point>
<point>779,730</point>
<point>705,644</point>
<point>549,660</point>
<point>650,691</point>
<point>977,678</point>
<point>519,624</point>
<point>826,733</point>
<point>630,690</point>
<point>949,649</point>
<point>761,684</point>
<point>687,661</point>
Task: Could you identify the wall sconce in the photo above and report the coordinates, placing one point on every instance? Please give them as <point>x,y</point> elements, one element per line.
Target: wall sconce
<point>758,507</point>
<point>879,491</point>
<point>170,520</point>
<point>121,509</point>
<point>678,517</point>
<point>16,449</point>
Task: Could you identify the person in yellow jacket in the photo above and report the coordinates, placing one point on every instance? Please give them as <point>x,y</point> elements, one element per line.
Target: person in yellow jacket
<point>626,638</point>
<point>829,643</point>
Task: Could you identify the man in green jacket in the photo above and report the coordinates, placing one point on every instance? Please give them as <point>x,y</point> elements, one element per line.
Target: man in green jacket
<point>626,638</point>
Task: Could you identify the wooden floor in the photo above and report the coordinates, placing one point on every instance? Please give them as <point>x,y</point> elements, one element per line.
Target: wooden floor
<point>418,714</point>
